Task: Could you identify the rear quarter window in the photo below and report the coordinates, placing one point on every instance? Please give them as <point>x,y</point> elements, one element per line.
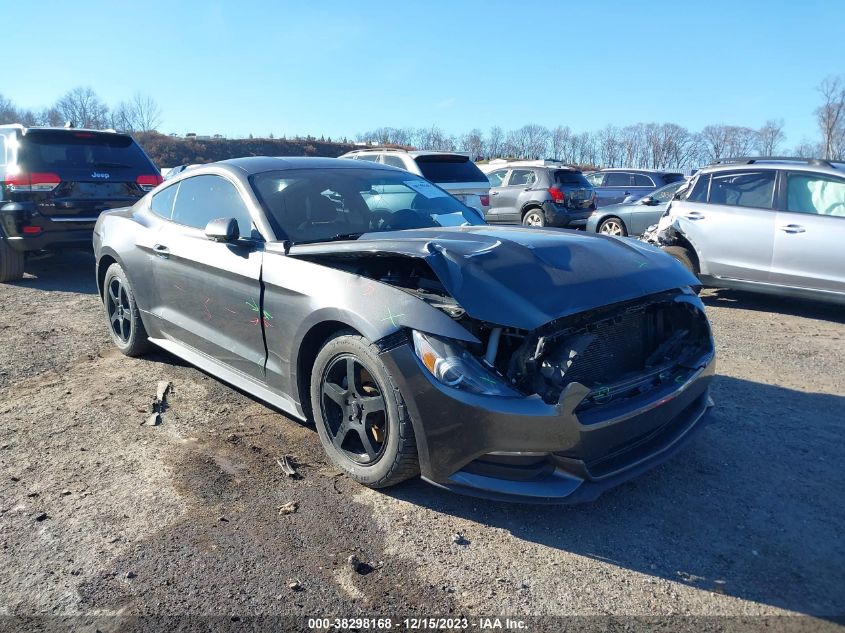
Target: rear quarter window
<point>162,202</point>
<point>449,168</point>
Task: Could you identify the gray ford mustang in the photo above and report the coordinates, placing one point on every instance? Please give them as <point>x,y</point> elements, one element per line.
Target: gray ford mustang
<point>507,362</point>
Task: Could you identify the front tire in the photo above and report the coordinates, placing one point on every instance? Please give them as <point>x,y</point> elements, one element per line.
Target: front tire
<point>613,226</point>
<point>11,263</point>
<point>360,414</point>
<point>534,217</point>
<point>684,256</point>
<point>122,315</point>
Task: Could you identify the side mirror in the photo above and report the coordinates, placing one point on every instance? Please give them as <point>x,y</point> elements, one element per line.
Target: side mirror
<point>648,200</point>
<point>222,230</point>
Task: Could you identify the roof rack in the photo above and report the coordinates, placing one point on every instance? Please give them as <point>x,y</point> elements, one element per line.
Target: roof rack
<point>750,160</point>
<point>376,148</point>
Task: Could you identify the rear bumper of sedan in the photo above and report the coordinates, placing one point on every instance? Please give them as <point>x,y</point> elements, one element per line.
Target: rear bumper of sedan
<point>523,449</point>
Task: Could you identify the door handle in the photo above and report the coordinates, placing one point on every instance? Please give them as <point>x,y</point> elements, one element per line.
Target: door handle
<point>694,215</point>
<point>494,193</point>
<point>162,251</point>
<point>792,228</point>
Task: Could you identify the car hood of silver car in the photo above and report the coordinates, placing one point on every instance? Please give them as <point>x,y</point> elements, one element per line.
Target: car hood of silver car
<point>526,277</point>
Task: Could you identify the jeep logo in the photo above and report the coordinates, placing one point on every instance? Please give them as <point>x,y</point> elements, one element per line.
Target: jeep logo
<point>97,174</point>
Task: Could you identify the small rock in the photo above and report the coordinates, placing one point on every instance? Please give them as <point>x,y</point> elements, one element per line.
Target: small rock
<point>289,508</point>
<point>32,495</point>
<point>65,493</point>
<point>16,478</point>
<point>295,585</point>
<point>524,585</point>
<point>223,519</point>
<point>458,539</point>
<point>359,567</point>
<point>42,517</point>
<point>130,575</point>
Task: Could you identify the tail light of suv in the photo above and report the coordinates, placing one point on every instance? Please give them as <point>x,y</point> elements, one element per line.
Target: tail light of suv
<point>41,181</point>
<point>558,196</point>
<point>485,199</point>
<point>148,182</point>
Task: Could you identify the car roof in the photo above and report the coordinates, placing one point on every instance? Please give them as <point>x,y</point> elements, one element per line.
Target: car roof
<point>413,153</point>
<point>46,128</point>
<point>814,165</point>
<point>640,171</point>
<point>257,164</point>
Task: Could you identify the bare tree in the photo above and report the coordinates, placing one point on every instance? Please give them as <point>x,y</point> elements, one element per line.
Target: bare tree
<point>715,139</point>
<point>610,146</point>
<point>831,116</point>
<point>83,108</point>
<point>495,142</point>
<point>139,114</point>
<point>473,142</point>
<point>770,137</point>
<point>8,111</point>
<point>560,137</point>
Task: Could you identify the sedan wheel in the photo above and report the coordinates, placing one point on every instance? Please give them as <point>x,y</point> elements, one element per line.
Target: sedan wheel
<point>613,226</point>
<point>534,217</point>
<point>354,410</point>
<point>360,415</point>
<point>125,325</point>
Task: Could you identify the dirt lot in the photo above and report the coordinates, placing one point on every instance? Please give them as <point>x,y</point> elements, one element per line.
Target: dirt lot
<point>99,515</point>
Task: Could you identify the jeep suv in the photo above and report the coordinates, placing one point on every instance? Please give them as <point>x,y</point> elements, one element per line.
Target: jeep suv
<point>451,171</point>
<point>54,182</point>
<point>614,185</point>
<point>762,224</point>
<point>540,196</point>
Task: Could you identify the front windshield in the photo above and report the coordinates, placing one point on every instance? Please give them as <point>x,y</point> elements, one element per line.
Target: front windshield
<point>316,205</point>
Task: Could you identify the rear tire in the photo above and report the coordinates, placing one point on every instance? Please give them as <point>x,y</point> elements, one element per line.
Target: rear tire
<point>684,256</point>
<point>534,217</point>
<point>363,423</point>
<point>122,315</point>
<point>11,262</point>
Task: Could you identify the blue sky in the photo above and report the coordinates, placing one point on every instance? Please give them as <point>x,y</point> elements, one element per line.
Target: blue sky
<point>342,67</point>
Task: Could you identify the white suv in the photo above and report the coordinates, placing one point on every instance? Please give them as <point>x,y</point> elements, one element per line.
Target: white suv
<point>452,171</point>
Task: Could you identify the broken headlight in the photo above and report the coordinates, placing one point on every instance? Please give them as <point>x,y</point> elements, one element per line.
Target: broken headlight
<point>453,365</point>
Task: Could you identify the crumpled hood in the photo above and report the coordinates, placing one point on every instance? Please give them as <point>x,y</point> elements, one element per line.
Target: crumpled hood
<point>526,277</point>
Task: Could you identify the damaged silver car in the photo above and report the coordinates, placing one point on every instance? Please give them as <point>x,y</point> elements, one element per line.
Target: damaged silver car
<point>514,363</point>
<point>770,225</point>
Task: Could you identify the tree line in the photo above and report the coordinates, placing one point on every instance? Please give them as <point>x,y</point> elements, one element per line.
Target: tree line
<point>646,145</point>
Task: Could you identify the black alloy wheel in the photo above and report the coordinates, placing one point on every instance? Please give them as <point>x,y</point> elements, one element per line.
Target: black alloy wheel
<point>119,310</point>
<point>354,410</point>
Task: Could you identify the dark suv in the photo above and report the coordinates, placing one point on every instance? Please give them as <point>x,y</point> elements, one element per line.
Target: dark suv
<point>54,182</point>
<point>615,185</point>
<point>540,196</point>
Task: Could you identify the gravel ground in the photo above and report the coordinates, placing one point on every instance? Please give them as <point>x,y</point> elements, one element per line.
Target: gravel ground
<point>101,516</point>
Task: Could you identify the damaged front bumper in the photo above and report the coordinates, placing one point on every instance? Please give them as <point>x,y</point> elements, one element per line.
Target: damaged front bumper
<point>523,449</point>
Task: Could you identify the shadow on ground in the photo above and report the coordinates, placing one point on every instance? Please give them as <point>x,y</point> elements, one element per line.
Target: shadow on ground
<point>723,298</point>
<point>65,271</point>
<point>752,508</point>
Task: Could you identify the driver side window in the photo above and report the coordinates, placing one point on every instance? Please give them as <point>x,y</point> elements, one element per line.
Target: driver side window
<point>202,199</point>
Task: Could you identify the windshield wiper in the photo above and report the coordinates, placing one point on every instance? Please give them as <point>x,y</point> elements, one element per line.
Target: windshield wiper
<point>333,238</point>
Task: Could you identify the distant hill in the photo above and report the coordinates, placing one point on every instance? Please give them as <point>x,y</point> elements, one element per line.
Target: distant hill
<point>168,151</point>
